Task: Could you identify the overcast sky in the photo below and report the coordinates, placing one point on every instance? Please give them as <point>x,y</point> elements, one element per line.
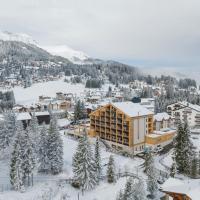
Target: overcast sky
<point>141,32</point>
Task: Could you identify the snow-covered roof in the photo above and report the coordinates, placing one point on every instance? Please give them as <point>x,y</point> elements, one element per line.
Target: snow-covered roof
<point>192,106</point>
<point>132,109</point>
<point>161,116</point>
<point>189,105</point>
<point>165,131</point>
<point>189,187</point>
<point>41,113</point>
<point>23,116</point>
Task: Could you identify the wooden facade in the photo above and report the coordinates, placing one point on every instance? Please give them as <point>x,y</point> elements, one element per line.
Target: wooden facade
<point>112,124</point>
<point>176,196</point>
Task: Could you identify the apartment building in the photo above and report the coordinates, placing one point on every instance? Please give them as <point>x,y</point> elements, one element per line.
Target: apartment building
<point>184,110</point>
<point>162,121</point>
<point>123,125</point>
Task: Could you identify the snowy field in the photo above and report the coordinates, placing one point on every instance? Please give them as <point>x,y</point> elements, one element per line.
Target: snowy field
<point>30,95</point>
<point>47,184</point>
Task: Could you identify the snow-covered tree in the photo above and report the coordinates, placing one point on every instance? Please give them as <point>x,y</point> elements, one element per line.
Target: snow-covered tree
<point>43,151</point>
<point>152,185</point>
<point>16,163</point>
<point>128,189</point>
<point>183,149</point>
<point>178,149</point>
<point>79,111</point>
<point>83,164</point>
<point>4,137</point>
<point>16,172</point>
<point>28,156</point>
<point>134,190</point>
<point>9,127</point>
<point>173,169</point>
<point>97,160</point>
<point>147,160</point>
<point>188,149</point>
<point>111,170</point>
<point>55,148</point>
<point>139,192</point>
<point>35,133</point>
<point>194,167</point>
<point>199,163</point>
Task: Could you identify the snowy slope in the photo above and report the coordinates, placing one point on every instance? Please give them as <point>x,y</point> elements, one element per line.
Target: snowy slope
<point>77,57</point>
<point>21,37</point>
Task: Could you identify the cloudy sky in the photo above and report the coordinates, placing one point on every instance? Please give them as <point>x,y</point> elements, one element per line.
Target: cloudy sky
<point>140,32</point>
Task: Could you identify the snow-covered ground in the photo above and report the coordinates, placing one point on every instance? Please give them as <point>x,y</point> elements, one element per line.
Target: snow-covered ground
<point>30,95</point>
<point>47,184</point>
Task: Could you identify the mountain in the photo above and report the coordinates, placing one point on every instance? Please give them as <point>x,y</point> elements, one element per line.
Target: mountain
<point>20,37</point>
<point>76,57</point>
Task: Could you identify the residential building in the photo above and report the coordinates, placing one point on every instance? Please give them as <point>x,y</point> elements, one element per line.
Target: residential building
<point>148,103</point>
<point>160,138</point>
<point>162,121</point>
<point>178,189</point>
<point>123,125</point>
<point>184,110</point>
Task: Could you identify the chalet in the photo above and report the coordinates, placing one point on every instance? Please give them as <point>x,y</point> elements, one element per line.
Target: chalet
<point>24,117</point>
<point>59,105</point>
<point>123,125</point>
<point>20,108</point>
<point>177,189</point>
<point>162,121</point>
<point>184,110</point>
<point>44,98</point>
<point>42,117</point>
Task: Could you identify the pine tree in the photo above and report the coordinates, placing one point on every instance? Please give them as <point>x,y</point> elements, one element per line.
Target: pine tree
<point>194,167</point>
<point>77,111</point>
<point>147,160</point>
<point>173,169</point>
<point>55,148</point>
<point>187,150</point>
<point>28,156</point>
<point>199,164</point>
<point>111,170</point>
<point>16,169</point>
<point>4,137</point>
<point>43,151</point>
<point>178,149</point>
<point>138,191</point>
<point>152,185</point>
<point>35,134</point>
<point>9,127</point>
<point>83,165</point>
<point>120,196</point>
<point>16,173</point>
<point>128,189</point>
<point>97,160</point>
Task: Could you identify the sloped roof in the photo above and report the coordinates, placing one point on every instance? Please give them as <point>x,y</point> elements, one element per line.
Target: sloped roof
<point>161,116</point>
<point>23,116</point>
<point>188,187</point>
<point>132,109</point>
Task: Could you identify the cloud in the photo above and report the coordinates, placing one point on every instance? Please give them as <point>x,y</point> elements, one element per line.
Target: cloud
<point>154,30</point>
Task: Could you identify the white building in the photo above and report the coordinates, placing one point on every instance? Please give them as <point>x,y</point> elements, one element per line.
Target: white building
<point>184,110</point>
<point>162,121</point>
<point>148,103</point>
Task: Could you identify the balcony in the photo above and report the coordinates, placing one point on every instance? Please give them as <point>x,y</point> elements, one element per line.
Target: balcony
<point>126,135</point>
<point>119,121</point>
<point>113,132</point>
<point>119,133</point>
